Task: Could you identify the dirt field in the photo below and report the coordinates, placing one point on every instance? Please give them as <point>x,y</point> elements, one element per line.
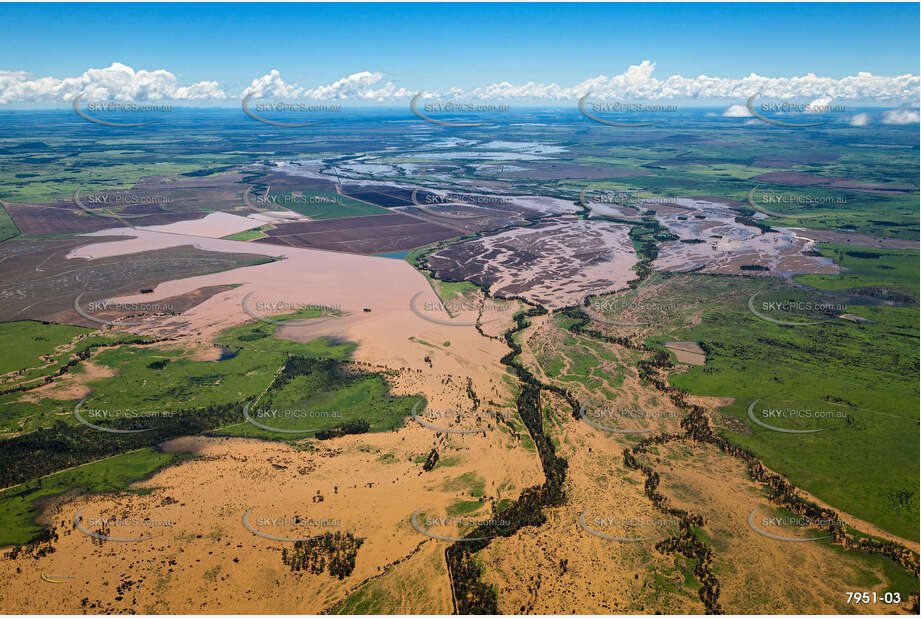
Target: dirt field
<point>364,235</point>
<point>379,195</point>
<point>68,218</point>
<point>38,281</point>
<point>687,352</point>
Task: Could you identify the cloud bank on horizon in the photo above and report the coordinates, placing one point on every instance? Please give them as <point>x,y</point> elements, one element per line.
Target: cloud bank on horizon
<point>119,82</point>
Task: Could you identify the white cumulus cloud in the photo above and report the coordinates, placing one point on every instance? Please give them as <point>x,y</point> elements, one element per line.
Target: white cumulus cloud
<point>637,82</point>
<point>860,120</point>
<point>117,82</point>
<point>901,116</point>
<point>363,85</point>
<point>818,106</point>
<point>737,111</point>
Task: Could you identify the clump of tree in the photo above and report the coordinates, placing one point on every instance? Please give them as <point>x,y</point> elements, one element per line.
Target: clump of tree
<point>750,222</point>
<point>471,594</point>
<point>431,460</point>
<point>332,552</point>
<point>63,445</point>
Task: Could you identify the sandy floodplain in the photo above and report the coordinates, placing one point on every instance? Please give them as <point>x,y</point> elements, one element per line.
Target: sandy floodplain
<point>192,552</point>
<point>197,538</point>
<point>374,296</point>
<point>555,263</point>
<point>727,245</point>
<point>220,224</point>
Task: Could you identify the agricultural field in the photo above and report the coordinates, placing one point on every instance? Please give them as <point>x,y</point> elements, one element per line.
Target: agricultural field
<point>324,204</point>
<point>365,234</point>
<point>62,280</point>
<point>865,267</point>
<point>8,229</point>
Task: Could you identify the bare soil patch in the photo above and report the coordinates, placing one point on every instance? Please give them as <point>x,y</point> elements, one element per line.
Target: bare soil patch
<point>365,235</point>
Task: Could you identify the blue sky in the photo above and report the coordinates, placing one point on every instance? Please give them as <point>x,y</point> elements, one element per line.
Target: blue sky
<point>464,44</point>
<point>440,46</point>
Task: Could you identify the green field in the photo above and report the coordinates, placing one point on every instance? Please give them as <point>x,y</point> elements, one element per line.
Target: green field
<point>147,378</point>
<point>867,466</point>
<point>708,169</point>
<point>94,165</point>
<point>318,396</point>
<point>24,342</point>
<point>250,234</point>
<point>451,290</point>
<point>152,378</point>
<point>19,508</point>
<point>140,382</point>
<point>325,205</point>
<point>865,267</point>
<point>8,229</point>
